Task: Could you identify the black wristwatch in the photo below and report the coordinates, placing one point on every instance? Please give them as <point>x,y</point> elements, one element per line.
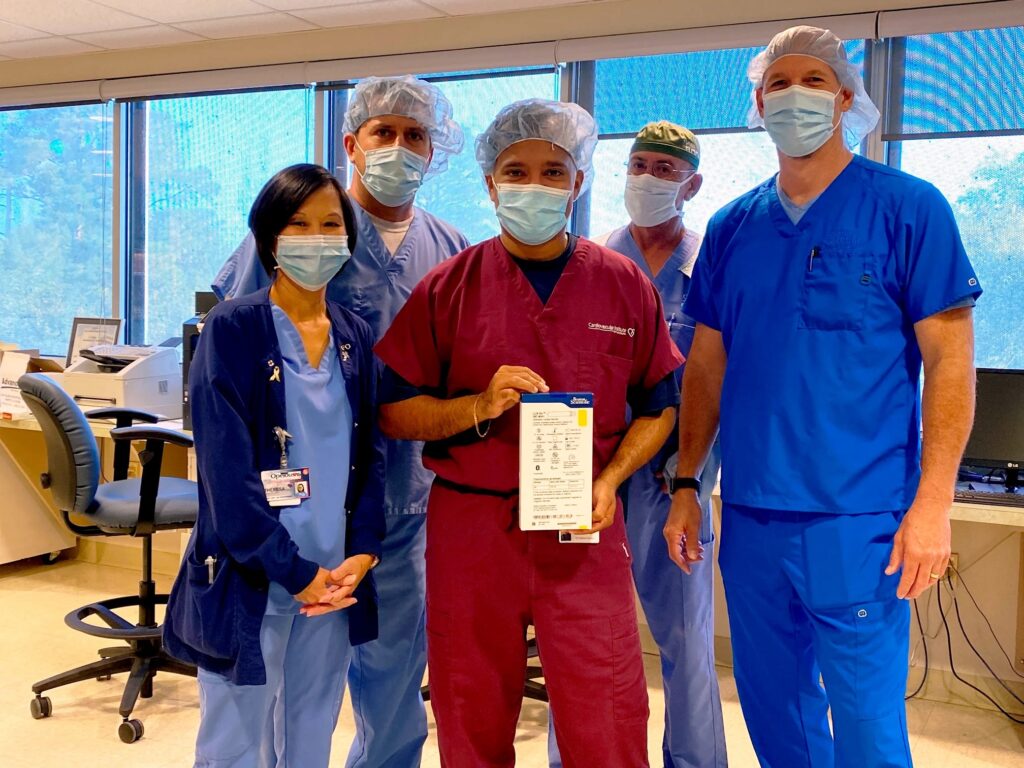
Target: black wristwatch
<point>678,483</point>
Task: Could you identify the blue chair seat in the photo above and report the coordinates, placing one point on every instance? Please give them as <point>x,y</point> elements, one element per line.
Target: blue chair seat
<point>117,504</point>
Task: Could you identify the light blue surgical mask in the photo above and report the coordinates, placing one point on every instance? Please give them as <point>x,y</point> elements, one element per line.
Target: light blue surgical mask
<point>392,175</point>
<point>532,213</point>
<point>800,119</point>
<point>312,260</point>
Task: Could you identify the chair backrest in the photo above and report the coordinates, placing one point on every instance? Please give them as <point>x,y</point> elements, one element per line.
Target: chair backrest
<point>73,460</point>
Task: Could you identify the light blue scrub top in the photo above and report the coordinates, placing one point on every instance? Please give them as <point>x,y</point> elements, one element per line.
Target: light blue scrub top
<point>320,422</point>
<point>672,282</point>
<point>820,401</point>
<point>374,284</point>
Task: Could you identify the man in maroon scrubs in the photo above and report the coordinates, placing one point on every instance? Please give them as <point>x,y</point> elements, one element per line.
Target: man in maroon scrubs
<point>532,310</point>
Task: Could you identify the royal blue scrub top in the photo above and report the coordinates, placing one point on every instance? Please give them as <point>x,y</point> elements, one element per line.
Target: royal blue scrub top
<point>320,422</point>
<point>820,401</point>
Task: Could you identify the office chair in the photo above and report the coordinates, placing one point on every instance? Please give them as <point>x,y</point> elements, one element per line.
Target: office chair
<point>124,507</point>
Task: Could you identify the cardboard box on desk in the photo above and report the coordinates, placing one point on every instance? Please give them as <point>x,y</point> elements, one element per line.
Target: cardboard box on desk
<point>14,363</point>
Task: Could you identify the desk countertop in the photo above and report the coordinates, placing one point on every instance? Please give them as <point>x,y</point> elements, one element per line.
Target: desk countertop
<point>100,427</point>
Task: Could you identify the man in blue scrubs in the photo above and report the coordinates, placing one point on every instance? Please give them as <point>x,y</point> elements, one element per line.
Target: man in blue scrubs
<point>662,175</point>
<point>398,131</point>
<point>818,296</point>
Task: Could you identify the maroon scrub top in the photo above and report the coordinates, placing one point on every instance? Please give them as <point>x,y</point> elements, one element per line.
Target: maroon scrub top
<point>602,331</point>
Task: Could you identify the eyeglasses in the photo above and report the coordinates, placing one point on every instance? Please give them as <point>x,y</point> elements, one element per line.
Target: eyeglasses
<point>661,170</point>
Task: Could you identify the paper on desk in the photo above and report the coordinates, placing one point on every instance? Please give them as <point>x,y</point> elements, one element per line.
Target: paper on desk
<point>12,366</point>
<point>556,455</point>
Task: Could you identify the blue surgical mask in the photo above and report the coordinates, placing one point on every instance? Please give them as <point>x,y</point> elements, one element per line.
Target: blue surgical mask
<point>393,175</point>
<point>532,213</point>
<point>312,260</point>
<point>799,119</point>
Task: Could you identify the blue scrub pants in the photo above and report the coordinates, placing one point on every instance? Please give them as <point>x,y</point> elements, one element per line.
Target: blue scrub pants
<point>306,660</point>
<point>808,600</point>
<point>386,674</point>
<point>680,614</point>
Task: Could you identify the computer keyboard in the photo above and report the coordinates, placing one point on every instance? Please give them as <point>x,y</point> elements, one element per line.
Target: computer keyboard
<point>999,498</point>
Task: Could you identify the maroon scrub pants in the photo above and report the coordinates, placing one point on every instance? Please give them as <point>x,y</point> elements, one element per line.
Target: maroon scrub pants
<point>487,581</point>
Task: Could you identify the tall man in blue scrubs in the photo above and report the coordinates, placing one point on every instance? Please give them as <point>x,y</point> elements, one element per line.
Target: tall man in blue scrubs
<point>661,176</point>
<point>818,295</point>
<point>398,131</point>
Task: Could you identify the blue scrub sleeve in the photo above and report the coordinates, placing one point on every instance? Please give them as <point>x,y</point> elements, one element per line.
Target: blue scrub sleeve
<point>366,525</point>
<point>238,507</point>
<point>395,389</point>
<point>937,272</point>
<point>700,300</point>
<point>651,402</point>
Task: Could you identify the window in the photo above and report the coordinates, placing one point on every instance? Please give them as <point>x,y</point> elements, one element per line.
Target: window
<point>969,142</point>
<point>983,180</point>
<point>708,92</point>
<point>197,165</point>
<point>55,207</point>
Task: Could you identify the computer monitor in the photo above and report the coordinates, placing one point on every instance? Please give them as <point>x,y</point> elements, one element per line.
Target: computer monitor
<point>997,438</point>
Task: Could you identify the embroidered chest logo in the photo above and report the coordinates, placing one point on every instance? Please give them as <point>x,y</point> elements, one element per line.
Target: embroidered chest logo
<point>618,330</point>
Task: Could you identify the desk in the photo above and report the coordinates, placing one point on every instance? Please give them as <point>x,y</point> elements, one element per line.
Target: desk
<point>30,524</point>
<point>990,514</point>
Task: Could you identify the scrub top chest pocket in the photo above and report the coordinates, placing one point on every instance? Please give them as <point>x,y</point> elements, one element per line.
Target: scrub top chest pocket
<point>837,284</point>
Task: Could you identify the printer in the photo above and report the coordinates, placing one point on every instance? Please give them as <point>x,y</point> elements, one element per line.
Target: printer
<point>149,379</point>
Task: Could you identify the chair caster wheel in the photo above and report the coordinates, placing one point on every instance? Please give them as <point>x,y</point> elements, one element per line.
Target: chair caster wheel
<point>41,707</point>
<point>130,731</point>
<point>101,678</point>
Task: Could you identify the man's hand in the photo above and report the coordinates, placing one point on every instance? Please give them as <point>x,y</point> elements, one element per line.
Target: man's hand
<point>605,504</point>
<point>921,546</point>
<point>682,530</point>
<point>343,581</point>
<point>506,386</point>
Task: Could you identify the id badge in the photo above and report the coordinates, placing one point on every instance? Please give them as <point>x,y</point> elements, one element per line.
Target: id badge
<point>573,537</point>
<point>286,487</point>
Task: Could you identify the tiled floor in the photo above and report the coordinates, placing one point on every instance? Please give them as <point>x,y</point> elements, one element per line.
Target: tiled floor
<point>82,731</point>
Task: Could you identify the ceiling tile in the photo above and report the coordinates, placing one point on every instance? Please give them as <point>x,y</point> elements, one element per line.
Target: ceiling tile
<point>47,46</point>
<point>246,26</point>
<point>12,32</point>
<point>293,5</point>
<point>364,14</point>
<point>173,11</point>
<point>67,17</point>
<point>467,7</point>
<point>141,37</point>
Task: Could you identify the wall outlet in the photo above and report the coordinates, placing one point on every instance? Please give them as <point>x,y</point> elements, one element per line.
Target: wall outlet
<point>954,566</point>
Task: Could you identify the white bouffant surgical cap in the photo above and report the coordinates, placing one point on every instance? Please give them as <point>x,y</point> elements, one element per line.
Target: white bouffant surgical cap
<point>415,99</point>
<point>825,46</point>
<point>565,125</point>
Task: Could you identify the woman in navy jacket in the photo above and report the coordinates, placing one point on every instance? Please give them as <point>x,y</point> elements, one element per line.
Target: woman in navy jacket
<point>275,588</point>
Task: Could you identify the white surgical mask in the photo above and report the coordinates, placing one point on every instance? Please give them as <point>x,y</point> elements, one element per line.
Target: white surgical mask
<point>393,174</point>
<point>312,260</point>
<point>651,201</point>
<point>532,213</point>
<point>799,119</point>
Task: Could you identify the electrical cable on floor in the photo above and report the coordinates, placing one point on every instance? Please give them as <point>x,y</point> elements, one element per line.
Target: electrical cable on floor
<point>987,623</point>
<point>952,666</point>
<point>924,645</point>
<point>963,631</point>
